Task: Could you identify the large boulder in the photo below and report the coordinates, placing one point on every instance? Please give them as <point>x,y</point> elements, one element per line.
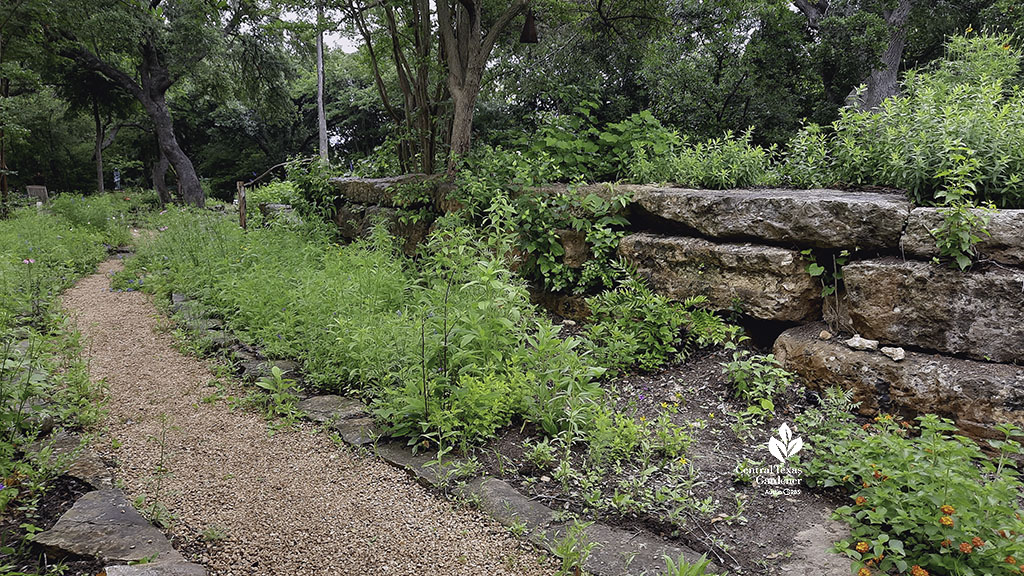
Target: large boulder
<point>357,221</point>
<point>977,395</point>
<point>1004,244</point>
<point>764,282</point>
<point>829,219</point>
<point>975,314</point>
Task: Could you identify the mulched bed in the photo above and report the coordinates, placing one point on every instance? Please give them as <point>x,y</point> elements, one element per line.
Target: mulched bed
<point>756,543</point>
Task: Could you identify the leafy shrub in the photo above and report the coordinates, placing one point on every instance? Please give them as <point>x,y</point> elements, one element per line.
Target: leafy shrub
<point>964,103</point>
<point>931,500</point>
<point>719,163</point>
<point>575,147</point>
<point>632,325</point>
<point>280,192</point>
<point>105,214</point>
<point>541,219</point>
<point>43,383</point>
<point>757,380</point>
<point>962,224</point>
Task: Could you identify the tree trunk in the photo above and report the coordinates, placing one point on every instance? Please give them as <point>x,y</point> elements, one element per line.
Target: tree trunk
<point>98,153</point>
<point>188,180</point>
<point>4,195</point>
<point>466,49</point>
<point>320,112</point>
<point>163,193</point>
<point>464,102</point>
<point>883,81</point>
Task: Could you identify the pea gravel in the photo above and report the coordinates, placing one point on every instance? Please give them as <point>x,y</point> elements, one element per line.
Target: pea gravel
<point>290,503</point>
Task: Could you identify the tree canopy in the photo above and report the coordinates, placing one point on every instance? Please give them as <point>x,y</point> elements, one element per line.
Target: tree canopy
<point>216,92</point>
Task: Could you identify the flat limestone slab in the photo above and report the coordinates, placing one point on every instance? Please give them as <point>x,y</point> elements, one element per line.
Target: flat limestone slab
<point>977,395</point>
<point>169,568</point>
<point>331,408</point>
<point>104,525</point>
<point>378,191</point>
<point>807,218</point>
<point>1005,245</point>
<point>766,282</point>
<point>975,314</point>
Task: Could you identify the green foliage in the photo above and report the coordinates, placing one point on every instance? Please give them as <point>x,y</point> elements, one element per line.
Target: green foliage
<point>633,326</point>
<point>806,160</point>
<point>107,214</point>
<point>962,225</point>
<point>545,222</point>
<point>573,548</point>
<point>279,396</point>
<point>279,192</point>
<point>963,106</point>
<point>757,379</point>
<point>930,499</point>
<point>446,348</point>
<point>549,223</point>
<point>718,163</point>
<point>44,385</point>
<point>682,567</point>
<point>577,148</point>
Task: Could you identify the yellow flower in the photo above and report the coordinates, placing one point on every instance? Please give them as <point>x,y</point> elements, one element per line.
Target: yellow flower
<point>862,547</point>
<point>969,30</point>
<point>946,521</point>
<point>918,571</point>
<point>864,572</point>
<point>947,509</point>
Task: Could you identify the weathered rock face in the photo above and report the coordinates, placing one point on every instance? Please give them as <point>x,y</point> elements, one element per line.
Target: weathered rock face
<point>379,191</point>
<point>978,314</point>
<point>806,218</point>
<point>765,282</point>
<point>357,221</point>
<point>978,395</point>
<point>104,525</point>
<point>1005,245</point>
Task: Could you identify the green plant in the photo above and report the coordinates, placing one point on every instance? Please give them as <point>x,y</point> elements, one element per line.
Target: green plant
<point>150,504</point>
<point>573,548</point>
<point>757,380</point>
<point>965,101</point>
<point>541,453</point>
<point>926,497</point>
<point>214,534</point>
<point>962,224</point>
<point>683,567</point>
<point>280,396</point>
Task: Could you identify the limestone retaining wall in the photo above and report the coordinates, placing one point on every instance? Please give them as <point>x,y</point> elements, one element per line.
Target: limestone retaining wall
<point>746,250</point>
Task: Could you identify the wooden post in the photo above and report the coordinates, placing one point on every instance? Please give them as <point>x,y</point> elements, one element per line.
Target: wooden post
<point>241,204</point>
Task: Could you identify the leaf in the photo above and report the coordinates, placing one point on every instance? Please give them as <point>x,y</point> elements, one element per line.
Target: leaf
<point>815,270</point>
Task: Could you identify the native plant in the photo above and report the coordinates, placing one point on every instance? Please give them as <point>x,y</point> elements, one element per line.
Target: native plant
<point>923,498</point>
<point>632,325</point>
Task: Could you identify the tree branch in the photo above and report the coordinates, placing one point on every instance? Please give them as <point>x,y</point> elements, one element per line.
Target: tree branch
<point>517,7</point>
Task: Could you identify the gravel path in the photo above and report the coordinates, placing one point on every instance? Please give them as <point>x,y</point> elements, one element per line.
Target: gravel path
<point>292,503</point>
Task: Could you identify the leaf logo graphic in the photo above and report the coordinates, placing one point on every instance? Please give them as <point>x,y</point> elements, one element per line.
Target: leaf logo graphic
<point>785,446</point>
